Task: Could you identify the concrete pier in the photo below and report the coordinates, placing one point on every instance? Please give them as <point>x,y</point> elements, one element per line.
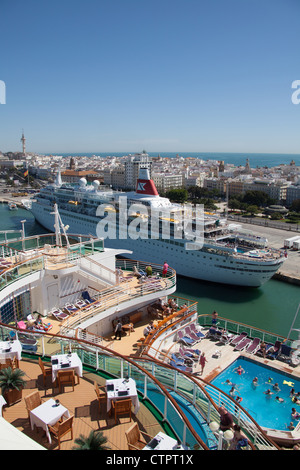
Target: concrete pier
<point>290,270</point>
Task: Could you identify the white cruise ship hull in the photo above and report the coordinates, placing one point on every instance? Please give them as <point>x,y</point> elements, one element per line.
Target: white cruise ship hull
<point>190,263</point>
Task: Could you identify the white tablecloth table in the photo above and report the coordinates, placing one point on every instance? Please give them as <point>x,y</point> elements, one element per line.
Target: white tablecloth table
<point>164,442</point>
<point>15,350</point>
<point>121,385</point>
<point>66,362</point>
<point>48,413</point>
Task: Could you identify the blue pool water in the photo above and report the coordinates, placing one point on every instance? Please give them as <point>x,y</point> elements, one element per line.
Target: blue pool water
<point>266,411</point>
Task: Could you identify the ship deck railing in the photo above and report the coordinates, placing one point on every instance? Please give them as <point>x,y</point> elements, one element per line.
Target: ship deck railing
<point>102,362</point>
<point>124,291</point>
<point>235,327</point>
<point>158,383</point>
<point>25,256</point>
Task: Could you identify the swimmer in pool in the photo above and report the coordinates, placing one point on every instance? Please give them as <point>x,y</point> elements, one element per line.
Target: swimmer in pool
<point>228,382</point>
<point>268,393</point>
<point>255,382</point>
<point>233,390</point>
<point>276,387</point>
<point>291,427</point>
<point>280,400</point>
<point>296,400</point>
<point>239,370</point>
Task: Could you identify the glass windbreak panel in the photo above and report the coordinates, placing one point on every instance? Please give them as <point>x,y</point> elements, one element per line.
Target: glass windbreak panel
<point>156,396</point>
<point>139,378</point>
<point>98,245</point>
<point>165,375</point>
<point>185,386</point>
<point>113,365</point>
<point>175,418</point>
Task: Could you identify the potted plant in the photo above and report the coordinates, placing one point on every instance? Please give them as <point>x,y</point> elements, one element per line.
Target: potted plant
<point>95,441</point>
<point>12,384</point>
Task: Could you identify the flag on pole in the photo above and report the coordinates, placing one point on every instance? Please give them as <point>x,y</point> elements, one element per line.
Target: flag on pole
<point>26,173</point>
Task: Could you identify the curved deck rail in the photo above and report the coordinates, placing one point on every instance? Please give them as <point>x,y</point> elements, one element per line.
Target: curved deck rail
<point>118,365</point>
<point>122,292</point>
<point>149,372</point>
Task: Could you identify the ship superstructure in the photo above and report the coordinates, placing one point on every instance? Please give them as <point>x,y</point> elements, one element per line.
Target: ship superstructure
<point>195,243</point>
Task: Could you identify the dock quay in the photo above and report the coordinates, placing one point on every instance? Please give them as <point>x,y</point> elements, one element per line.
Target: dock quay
<point>15,200</point>
<point>290,270</point>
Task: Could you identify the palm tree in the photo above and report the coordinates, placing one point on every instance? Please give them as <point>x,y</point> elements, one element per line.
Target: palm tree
<point>95,441</point>
<point>11,379</point>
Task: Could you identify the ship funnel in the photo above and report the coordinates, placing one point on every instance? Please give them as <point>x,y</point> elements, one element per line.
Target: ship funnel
<point>58,180</point>
<point>144,184</point>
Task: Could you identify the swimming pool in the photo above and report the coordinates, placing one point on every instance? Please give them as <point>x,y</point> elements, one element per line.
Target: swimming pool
<point>266,410</point>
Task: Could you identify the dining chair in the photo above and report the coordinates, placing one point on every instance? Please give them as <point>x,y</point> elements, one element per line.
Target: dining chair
<point>101,394</point>
<point>65,377</point>
<point>33,400</point>
<point>121,408</point>
<point>12,363</point>
<point>61,428</point>
<point>135,438</point>
<point>46,371</point>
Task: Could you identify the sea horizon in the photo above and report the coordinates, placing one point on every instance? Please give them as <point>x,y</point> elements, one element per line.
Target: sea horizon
<point>238,159</point>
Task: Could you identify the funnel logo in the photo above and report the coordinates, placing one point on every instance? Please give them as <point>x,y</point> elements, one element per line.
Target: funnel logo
<point>2,92</point>
<point>141,186</point>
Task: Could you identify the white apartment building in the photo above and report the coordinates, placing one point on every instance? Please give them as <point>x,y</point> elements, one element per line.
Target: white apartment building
<point>132,164</point>
<point>274,189</point>
<point>292,193</point>
<point>165,181</point>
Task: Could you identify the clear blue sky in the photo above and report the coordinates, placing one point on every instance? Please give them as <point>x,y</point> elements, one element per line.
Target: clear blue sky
<point>161,75</point>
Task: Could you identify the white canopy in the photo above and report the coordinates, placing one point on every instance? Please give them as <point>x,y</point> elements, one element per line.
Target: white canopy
<point>13,439</point>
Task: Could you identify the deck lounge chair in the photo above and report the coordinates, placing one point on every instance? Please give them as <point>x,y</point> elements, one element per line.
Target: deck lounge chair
<point>71,308</point>
<point>274,350</point>
<point>59,314</point>
<point>196,352</point>
<point>238,338</point>
<point>186,356</point>
<point>243,344</point>
<point>190,334</point>
<point>254,346</point>
<point>185,339</point>
<point>86,296</point>
<point>80,303</point>
<point>196,331</point>
<point>180,366</point>
<point>211,332</point>
<point>226,338</point>
<point>285,352</point>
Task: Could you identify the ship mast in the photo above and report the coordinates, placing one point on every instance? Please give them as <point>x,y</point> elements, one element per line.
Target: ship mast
<point>57,224</point>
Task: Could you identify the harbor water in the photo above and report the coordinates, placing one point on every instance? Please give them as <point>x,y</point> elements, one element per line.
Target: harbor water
<point>271,307</point>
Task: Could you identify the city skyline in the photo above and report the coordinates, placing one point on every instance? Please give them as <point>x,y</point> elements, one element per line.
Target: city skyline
<point>193,76</point>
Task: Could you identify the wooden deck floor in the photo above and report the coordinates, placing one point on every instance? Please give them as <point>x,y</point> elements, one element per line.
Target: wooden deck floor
<point>83,405</point>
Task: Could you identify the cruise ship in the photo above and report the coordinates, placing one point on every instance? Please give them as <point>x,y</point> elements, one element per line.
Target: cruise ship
<point>59,301</point>
<point>151,227</point>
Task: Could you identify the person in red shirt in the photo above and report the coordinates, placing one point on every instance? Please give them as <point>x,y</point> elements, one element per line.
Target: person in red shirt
<point>165,269</point>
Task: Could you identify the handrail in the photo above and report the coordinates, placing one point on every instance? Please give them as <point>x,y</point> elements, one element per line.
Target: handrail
<point>133,363</point>
<point>197,381</point>
<point>156,333</point>
<point>116,294</point>
<point>225,322</point>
